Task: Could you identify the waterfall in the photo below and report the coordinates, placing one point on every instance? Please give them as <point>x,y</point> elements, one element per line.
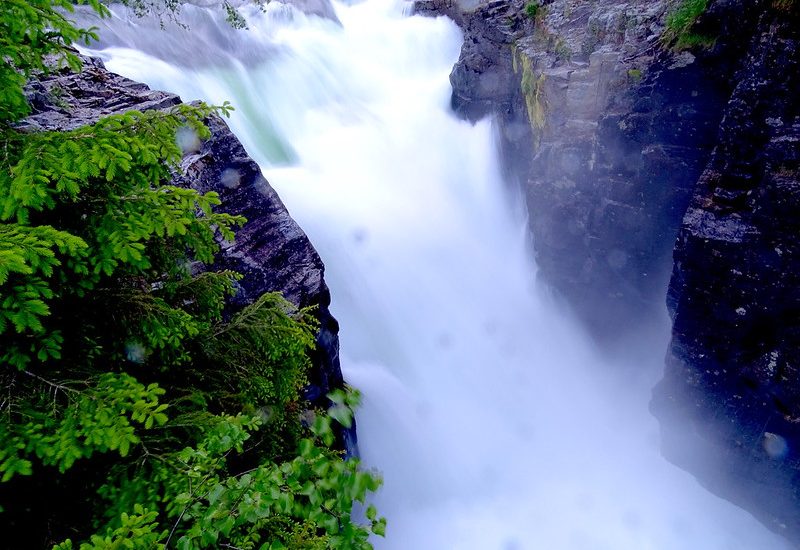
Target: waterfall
<point>494,422</point>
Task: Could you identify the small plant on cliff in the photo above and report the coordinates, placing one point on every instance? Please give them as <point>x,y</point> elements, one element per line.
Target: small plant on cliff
<point>635,75</point>
<point>680,20</point>
<point>532,9</point>
<point>562,50</point>
<point>786,6</point>
<point>137,410</point>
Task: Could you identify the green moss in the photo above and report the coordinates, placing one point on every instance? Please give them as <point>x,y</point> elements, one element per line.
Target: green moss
<point>685,14</point>
<point>532,86</point>
<point>680,21</point>
<point>514,54</point>
<point>694,40</point>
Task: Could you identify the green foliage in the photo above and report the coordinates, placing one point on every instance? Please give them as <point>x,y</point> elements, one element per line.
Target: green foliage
<point>236,20</point>
<point>680,21</point>
<point>129,383</point>
<point>103,186</point>
<point>532,9</point>
<point>684,15</point>
<point>160,8</point>
<point>316,488</point>
<point>266,335</point>
<point>31,30</point>
<point>99,418</point>
<point>138,531</point>
<point>305,502</point>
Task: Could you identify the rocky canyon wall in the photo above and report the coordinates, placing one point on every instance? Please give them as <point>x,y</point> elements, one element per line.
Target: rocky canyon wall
<point>623,144</point>
<point>731,389</point>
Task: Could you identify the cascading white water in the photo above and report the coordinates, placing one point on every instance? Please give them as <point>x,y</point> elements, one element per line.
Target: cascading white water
<point>492,419</point>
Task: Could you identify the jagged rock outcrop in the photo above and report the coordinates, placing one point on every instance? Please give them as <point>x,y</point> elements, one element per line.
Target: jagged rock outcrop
<point>271,250</point>
<point>483,80</point>
<point>606,132</point>
<point>730,398</point>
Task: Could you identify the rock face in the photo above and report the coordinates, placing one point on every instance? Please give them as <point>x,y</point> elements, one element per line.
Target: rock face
<point>606,132</point>
<point>484,80</point>
<point>733,367</point>
<point>270,250</point>
<point>609,173</point>
<point>622,145</point>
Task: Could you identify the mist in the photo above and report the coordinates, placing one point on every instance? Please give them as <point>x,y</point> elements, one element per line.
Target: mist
<point>495,421</point>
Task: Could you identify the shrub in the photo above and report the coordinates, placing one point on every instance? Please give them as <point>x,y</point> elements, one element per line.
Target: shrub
<point>136,410</point>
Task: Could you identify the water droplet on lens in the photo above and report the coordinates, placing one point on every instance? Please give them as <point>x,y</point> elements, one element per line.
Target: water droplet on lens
<point>135,352</point>
<point>230,178</point>
<point>360,235</point>
<point>775,445</point>
<point>187,140</point>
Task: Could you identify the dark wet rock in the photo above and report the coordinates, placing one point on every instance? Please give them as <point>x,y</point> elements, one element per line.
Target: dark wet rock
<point>731,389</point>
<point>271,250</point>
<point>484,80</point>
<point>606,132</point>
<point>65,100</point>
<point>620,147</point>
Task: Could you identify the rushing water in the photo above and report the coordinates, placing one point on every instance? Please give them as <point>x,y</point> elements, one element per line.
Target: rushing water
<point>492,419</point>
